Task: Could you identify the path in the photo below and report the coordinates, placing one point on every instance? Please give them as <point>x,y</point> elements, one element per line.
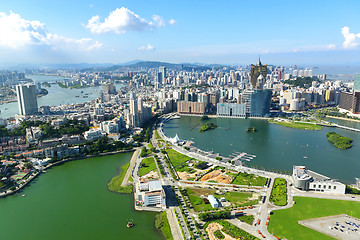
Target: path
<point>130,168</point>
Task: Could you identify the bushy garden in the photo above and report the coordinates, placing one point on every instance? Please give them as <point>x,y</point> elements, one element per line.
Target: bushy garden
<point>339,141</point>
<point>279,192</point>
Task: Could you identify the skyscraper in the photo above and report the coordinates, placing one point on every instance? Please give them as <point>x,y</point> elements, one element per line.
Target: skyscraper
<point>27,99</point>
<point>357,82</point>
<point>162,71</point>
<point>255,72</point>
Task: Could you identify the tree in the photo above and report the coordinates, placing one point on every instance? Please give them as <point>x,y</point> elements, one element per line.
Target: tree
<point>28,165</point>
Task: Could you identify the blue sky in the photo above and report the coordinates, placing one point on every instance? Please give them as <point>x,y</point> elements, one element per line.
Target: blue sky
<point>224,32</point>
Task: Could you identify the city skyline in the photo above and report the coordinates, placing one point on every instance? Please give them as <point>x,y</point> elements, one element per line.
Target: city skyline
<point>230,33</point>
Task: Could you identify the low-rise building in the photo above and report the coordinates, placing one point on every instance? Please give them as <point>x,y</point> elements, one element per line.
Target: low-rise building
<point>152,194</point>
<point>93,134</point>
<point>308,180</point>
<point>213,201</point>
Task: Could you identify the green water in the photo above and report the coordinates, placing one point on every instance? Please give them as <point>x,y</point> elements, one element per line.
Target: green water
<point>71,201</point>
<point>276,147</point>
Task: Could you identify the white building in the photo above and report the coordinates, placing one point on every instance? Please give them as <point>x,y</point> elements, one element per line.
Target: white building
<point>236,110</point>
<point>93,134</point>
<point>306,180</point>
<point>152,194</point>
<point>27,99</point>
<point>213,201</point>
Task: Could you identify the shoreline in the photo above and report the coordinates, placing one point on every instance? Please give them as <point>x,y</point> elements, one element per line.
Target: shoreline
<point>32,177</point>
<point>345,119</point>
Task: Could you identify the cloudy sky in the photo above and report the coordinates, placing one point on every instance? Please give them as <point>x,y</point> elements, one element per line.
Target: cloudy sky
<point>225,32</point>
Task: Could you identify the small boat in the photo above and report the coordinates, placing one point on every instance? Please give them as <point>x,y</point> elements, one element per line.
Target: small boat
<point>227,128</point>
<point>130,224</point>
<point>305,156</point>
<point>85,96</point>
<point>82,91</point>
<point>23,195</point>
<point>77,96</point>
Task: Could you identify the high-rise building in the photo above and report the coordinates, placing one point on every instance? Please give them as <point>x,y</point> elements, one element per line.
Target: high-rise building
<point>27,99</point>
<point>255,72</point>
<point>357,82</point>
<point>162,71</point>
<point>109,88</point>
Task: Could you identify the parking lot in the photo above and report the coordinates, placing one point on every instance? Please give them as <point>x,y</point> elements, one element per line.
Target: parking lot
<point>339,226</point>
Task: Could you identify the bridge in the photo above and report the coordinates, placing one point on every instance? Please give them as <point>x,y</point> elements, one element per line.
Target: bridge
<point>348,128</point>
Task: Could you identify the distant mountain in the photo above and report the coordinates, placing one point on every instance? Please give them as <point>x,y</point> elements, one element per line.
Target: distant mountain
<point>144,65</point>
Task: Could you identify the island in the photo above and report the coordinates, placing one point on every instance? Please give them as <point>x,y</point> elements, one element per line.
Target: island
<point>207,126</point>
<point>251,129</point>
<point>339,141</point>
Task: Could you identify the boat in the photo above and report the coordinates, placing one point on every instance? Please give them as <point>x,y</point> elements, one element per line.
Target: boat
<point>82,91</point>
<point>227,128</point>
<point>77,96</point>
<point>305,156</point>
<point>85,96</point>
<point>130,224</point>
<point>23,195</point>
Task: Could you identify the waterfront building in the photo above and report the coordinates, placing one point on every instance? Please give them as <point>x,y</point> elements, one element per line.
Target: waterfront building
<point>186,107</point>
<point>350,101</point>
<point>27,99</point>
<point>255,72</point>
<point>306,180</point>
<point>152,194</point>
<point>236,110</point>
<point>109,88</point>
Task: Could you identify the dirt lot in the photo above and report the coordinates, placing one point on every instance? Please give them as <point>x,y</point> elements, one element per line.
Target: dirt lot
<point>217,176</point>
<point>152,175</point>
<point>212,228</point>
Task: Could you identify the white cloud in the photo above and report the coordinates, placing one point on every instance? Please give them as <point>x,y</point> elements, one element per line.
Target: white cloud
<point>147,48</point>
<point>16,32</point>
<point>158,21</point>
<point>91,5</point>
<point>331,46</point>
<point>119,21</point>
<point>351,39</point>
<point>172,21</point>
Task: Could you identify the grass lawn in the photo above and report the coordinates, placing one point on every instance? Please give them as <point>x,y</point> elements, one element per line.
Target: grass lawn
<point>284,222</point>
<point>278,194</point>
<point>235,198</point>
<point>184,167</point>
<point>304,126</point>
<point>162,223</point>
<point>115,183</point>
<point>157,136</point>
<point>249,219</point>
<point>249,179</point>
<point>176,158</point>
<point>147,165</point>
<point>196,201</point>
<point>239,198</point>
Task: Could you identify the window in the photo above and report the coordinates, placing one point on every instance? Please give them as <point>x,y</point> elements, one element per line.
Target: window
<point>314,186</point>
<point>329,187</point>
<point>324,186</point>
<point>334,187</point>
<point>319,186</point>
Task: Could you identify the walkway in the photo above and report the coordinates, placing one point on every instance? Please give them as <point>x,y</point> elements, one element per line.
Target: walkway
<point>130,168</point>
